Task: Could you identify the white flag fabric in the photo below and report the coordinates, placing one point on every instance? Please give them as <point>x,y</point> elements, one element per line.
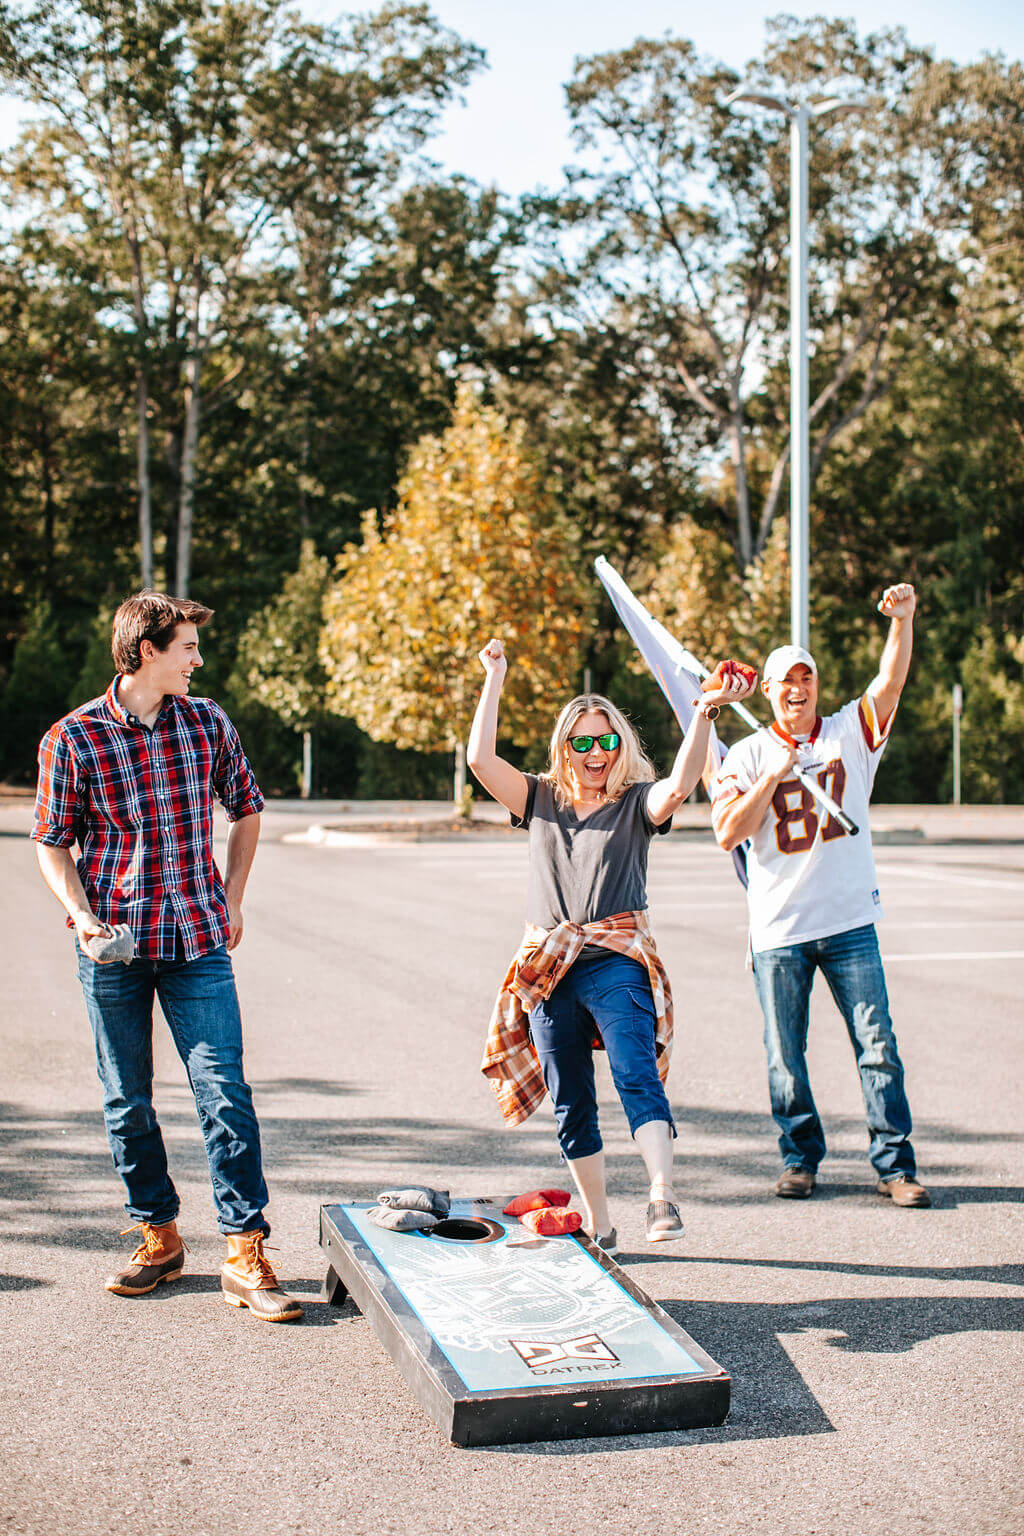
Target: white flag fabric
<point>665,657</point>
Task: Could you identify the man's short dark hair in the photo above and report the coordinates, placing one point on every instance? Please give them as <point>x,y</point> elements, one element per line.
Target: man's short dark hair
<point>150,616</point>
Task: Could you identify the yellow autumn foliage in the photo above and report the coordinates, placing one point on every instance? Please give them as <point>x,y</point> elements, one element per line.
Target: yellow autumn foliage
<point>475,547</point>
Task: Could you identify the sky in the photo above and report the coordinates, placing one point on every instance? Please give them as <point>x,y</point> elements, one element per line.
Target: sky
<point>512,131</point>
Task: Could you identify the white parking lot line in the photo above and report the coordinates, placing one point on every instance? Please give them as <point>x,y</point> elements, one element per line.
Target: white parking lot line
<point>947,876</point>
<point>957,954</point>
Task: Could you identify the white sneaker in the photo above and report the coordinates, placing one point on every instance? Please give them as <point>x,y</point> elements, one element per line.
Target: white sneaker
<point>663,1222</point>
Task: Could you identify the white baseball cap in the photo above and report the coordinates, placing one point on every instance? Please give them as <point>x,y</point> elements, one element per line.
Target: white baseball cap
<point>782,658</point>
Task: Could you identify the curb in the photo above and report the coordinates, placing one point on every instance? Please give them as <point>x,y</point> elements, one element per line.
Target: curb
<point>336,837</point>
<point>318,836</point>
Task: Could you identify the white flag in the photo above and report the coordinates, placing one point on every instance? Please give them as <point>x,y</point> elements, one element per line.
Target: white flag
<point>670,665</point>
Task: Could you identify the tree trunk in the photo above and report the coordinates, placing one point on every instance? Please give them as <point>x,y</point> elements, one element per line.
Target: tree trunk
<point>189,448</point>
<point>459,783</point>
<point>738,454</point>
<point>172,462</point>
<point>49,506</point>
<point>142,462</point>
<point>307,765</point>
<point>311,371</point>
<point>142,408</point>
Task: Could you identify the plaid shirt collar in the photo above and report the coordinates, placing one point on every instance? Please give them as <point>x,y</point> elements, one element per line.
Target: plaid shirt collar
<point>124,716</point>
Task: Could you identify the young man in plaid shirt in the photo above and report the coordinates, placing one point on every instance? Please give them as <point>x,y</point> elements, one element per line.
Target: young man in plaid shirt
<point>131,778</point>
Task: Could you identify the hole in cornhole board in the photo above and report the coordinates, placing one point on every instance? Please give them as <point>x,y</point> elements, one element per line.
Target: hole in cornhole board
<point>467,1229</point>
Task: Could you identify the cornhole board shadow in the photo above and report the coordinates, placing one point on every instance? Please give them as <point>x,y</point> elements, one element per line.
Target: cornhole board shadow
<point>504,1337</point>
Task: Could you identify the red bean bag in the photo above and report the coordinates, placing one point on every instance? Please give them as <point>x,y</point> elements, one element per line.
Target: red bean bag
<point>551,1223</point>
<point>724,671</point>
<point>536,1200</point>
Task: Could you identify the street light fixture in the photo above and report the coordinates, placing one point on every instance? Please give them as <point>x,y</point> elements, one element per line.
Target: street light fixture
<point>799,393</point>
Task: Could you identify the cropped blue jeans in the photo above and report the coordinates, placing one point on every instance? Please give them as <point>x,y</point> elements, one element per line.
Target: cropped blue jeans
<point>200,1004</point>
<point>852,967</point>
<point>610,995</point>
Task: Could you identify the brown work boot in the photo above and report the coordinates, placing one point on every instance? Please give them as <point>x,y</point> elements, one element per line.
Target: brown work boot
<point>795,1184</point>
<point>160,1256</point>
<point>247,1279</point>
<point>904,1191</point>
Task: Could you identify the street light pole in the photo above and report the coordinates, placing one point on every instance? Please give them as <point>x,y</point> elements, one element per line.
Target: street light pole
<point>799,326</point>
<point>799,385</point>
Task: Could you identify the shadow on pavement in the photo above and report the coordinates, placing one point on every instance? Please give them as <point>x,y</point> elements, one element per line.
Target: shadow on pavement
<point>987,1274</point>
<point>976,1194</point>
<point>52,1167</point>
<point>317,1313</point>
<point>770,1399</point>
<point>56,1174</point>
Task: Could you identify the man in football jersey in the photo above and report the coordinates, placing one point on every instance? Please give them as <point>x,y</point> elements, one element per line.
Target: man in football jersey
<point>813,898</point>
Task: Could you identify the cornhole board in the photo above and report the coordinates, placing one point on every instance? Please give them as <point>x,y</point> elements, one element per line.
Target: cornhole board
<point>504,1337</point>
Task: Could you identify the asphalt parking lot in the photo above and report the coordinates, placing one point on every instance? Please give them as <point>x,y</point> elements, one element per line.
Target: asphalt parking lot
<point>876,1354</point>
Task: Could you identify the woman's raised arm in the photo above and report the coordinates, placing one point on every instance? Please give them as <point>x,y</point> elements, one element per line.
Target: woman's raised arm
<point>668,794</point>
<point>498,777</point>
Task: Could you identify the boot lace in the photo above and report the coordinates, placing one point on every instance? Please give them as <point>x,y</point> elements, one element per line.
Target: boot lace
<point>151,1246</point>
<point>259,1264</point>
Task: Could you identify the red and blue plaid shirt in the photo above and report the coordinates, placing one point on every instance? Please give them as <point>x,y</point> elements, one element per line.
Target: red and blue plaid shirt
<point>139,803</point>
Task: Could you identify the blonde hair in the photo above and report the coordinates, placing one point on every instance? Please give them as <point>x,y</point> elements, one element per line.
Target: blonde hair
<point>630,767</point>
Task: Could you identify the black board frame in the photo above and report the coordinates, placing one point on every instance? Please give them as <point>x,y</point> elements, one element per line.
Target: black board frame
<point>645,1405</point>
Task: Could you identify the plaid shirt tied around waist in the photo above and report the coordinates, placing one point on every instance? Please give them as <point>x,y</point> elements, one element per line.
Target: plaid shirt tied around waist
<point>510,1061</point>
<point>139,803</point>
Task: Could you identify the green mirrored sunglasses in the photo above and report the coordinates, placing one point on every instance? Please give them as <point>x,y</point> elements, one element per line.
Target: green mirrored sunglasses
<point>609,741</point>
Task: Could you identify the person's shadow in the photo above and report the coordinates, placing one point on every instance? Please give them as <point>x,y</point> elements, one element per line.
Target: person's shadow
<point>770,1399</point>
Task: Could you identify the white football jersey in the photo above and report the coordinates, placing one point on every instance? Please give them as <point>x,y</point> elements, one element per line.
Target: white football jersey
<point>807,877</point>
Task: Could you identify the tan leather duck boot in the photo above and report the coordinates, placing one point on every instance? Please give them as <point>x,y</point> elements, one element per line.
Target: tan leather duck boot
<point>247,1279</point>
<point>160,1256</point>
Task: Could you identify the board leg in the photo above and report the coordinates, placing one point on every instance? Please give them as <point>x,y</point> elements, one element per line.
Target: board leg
<point>332,1290</point>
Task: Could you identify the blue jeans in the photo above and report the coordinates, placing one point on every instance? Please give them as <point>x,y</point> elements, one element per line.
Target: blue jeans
<point>200,1004</point>
<point>610,995</point>
<point>852,966</point>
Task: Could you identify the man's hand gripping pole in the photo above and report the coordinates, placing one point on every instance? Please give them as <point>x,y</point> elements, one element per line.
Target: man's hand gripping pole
<point>825,800</point>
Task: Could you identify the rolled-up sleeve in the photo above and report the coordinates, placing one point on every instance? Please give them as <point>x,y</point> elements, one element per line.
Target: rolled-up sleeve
<point>234,782</point>
<point>60,791</point>
<point>735,777</point>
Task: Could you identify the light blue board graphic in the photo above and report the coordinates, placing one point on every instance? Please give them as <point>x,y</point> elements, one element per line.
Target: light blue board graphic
<point>523,1311</point>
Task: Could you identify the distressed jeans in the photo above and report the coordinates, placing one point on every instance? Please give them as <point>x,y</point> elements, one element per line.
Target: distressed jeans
<point>200,1004</point>
<point>852,966</point>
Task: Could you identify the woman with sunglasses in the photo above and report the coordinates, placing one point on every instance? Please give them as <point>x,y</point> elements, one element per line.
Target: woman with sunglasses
<point>587,972</point>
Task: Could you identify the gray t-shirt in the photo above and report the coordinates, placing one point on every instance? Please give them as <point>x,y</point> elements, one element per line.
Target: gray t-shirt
<point>584,870</point>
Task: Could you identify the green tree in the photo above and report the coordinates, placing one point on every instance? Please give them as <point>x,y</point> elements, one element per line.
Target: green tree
<point>190,144</point>
<point>64,526</point>
<point>674,229</point>
<point>474,548</point>
<point>97,662</point>
<point>36,693</point>
<point>992,726</point>
<point>624,473</point>
<point>278,659</point>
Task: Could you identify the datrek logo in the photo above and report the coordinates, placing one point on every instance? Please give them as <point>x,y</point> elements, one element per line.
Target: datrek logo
<point>551,1357</point>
